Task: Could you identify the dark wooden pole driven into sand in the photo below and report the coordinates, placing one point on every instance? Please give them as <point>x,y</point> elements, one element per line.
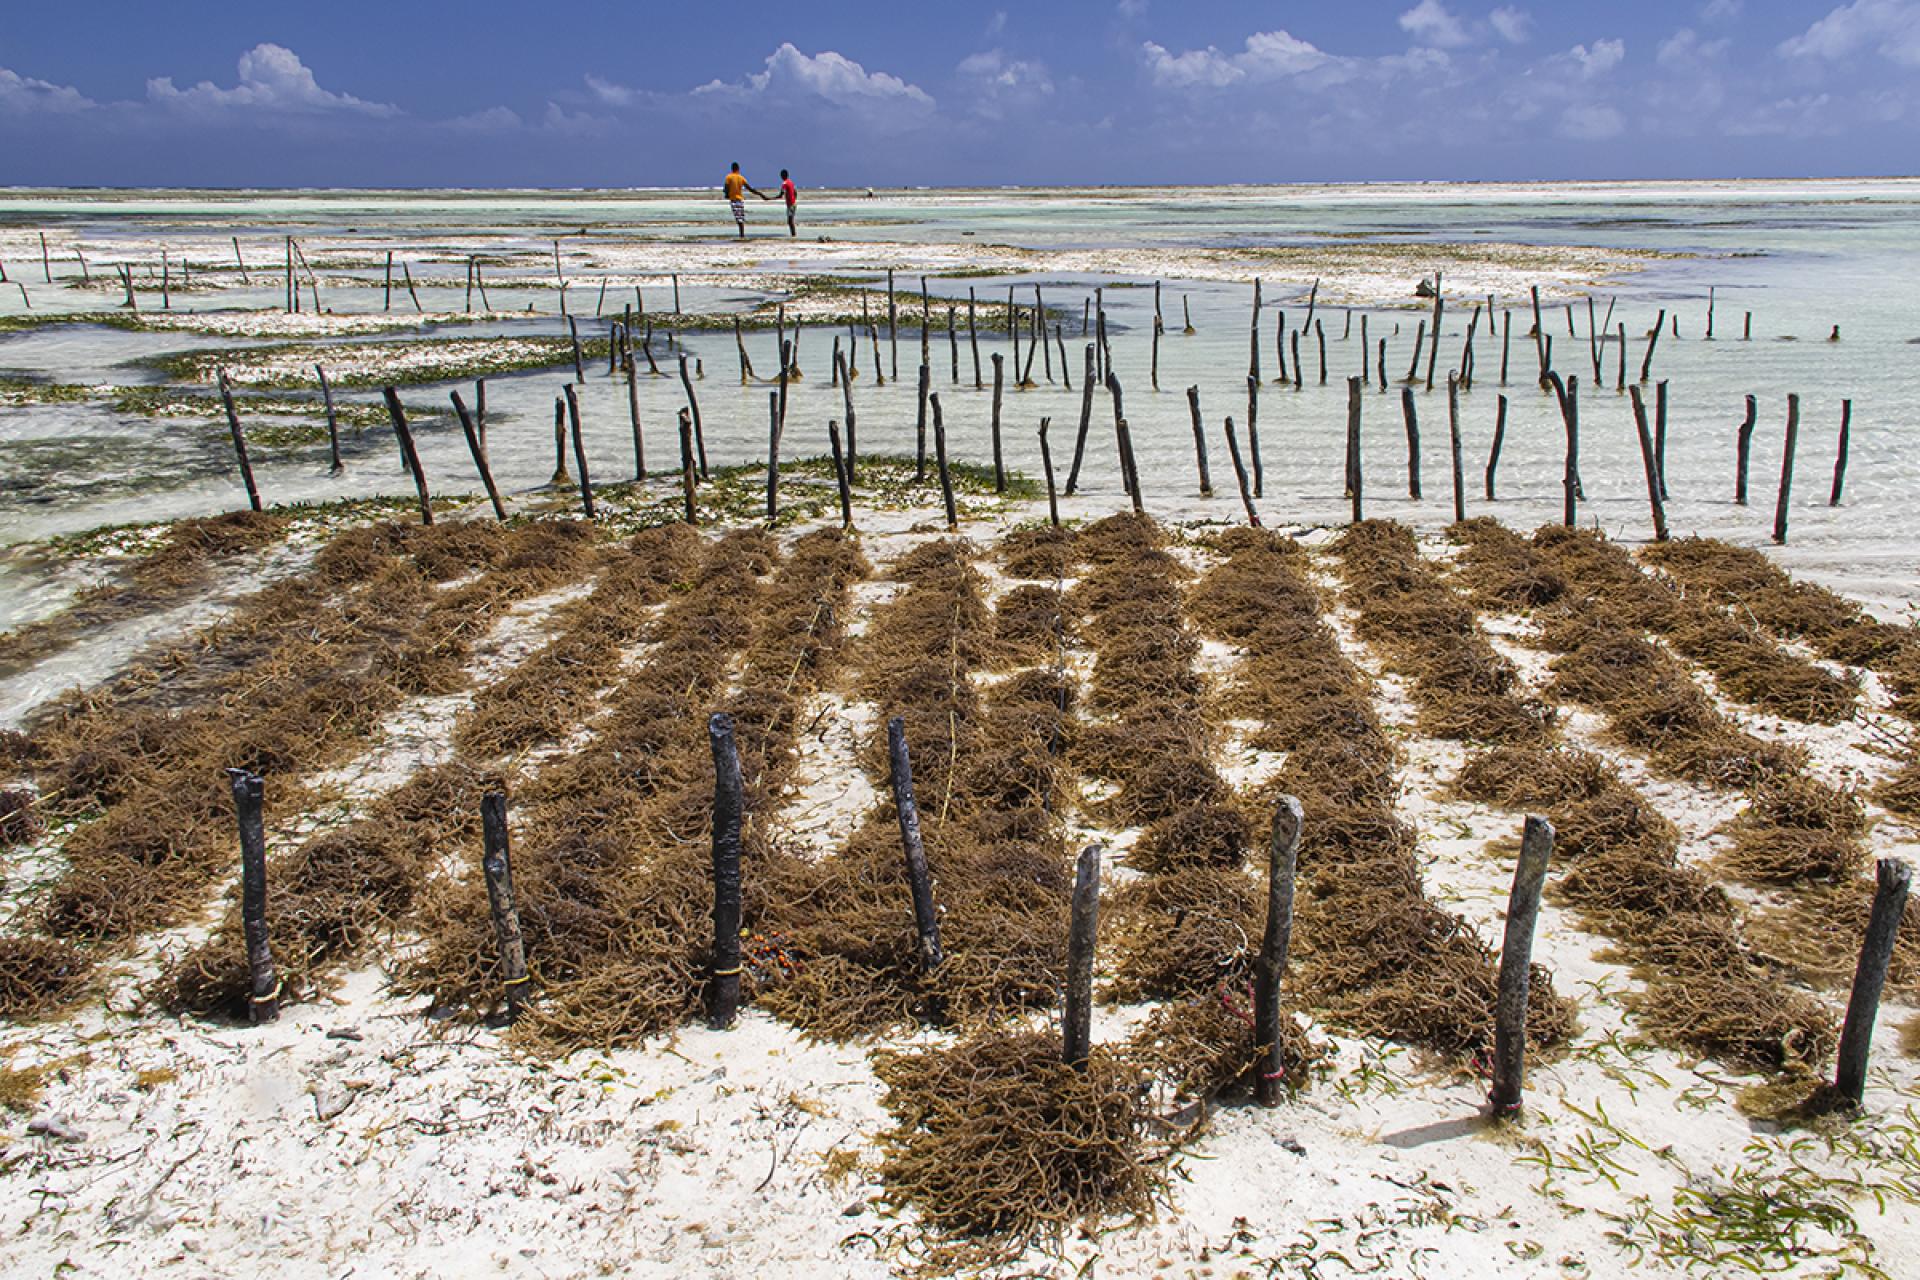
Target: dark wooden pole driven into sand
<point>1412,416</point>
<point>1786,470</point>
<point>335,466</point>
<point>1653,341</point>
<point>1240,474</point>
<point>1046,464</point>
<point>239,442</point>
<point>729,803</point>
<point>1499,438</point>
<point>1516,963</point>
<point>479,454</point>
<point>926,923</point>
<point>1077,1019</point>
<point>693,407</point>
<point>1199,442</point>
<point>1840,455</point>
<point>1891,880</point>
<point>1742,449</point>
<point>1660,434</point>
<point>686,464</point>
<point>940,461</point>
<point>1356,476</point>
<point>1568,393</point>
<point>1283,850</point>
<point>1649,456</point>
<point>496,865</point>
<point>1453,442</point>
<point>1253,436</point>
<point>1086,422</point>
<point>840,474</point>
<point>999,462</point>
<point>579,452</point>
<point>263,984</point>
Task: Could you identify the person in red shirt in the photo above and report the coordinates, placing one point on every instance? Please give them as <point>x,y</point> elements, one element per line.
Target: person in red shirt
<point>791,194</point>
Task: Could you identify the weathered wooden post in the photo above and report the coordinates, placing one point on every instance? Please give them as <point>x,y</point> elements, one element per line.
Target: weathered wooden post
<point>973,338</point>
<point>1186,316</point>
<point>1439,309</point>
<point>893,326</point>
<point>1786,470</point>
<point>573,332</point>
<point>1650,457</point>
<point>1516,965</point>
<point>633,417</point>
<point>1356,479</point>
<point>926,922</point>
<point>1253,358</point>
<point>686,464</point>
<point>1499,438</point>
<point>1046,464</point>
<point>263,984</point>
<point>840,475</point>
<point>1283,850</point>
<point>1506,343</point>
<point>579,452</point>
<point>335,466</point>
<point>239,442</point>
<point>1419,343</point>
<point>1240,473</point>
<point>940,460</point>
<point>1840,456</point>
<point>693,407</point>
<point>1453,441</point>
<point>1567,392</point>
<point>920,421</point>
<point>1086,422</point>
<point>1660,434</point>
<point>1128,467</point>
<point>1077,1018</point>
<point>1743,445</point>
<point>729,802</point>
<point>1366,352</point>
<point>773,456</point>
<point>1199,442</point>
<point>1253,436</point>
<point>479,454</point>
<point>1539,337</point>
<point>1380,366</point>
<point>1891,880</point>
<point>999,465</point>
<point>845,365</point>
<point>497,866</point>
<point>1412,417</point>
<point>1653,341</point>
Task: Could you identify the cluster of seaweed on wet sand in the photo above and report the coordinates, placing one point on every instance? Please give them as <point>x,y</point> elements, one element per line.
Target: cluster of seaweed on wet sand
<point>1707,989</point>
<point>1371,947</point>
<point>988,773</point>
<point>180,562</point>
<point>303,671</point>
<point>611,860</point>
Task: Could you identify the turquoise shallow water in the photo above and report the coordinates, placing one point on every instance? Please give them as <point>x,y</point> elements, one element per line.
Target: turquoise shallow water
<point>1801,256</point>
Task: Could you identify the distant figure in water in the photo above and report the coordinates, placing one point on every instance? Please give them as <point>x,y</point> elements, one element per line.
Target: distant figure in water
<point>736,185</point>
<point>791,194</point>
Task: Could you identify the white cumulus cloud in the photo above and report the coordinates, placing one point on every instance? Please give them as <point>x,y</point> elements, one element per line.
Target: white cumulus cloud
<point>828,77</point>
<point>1429,22</point>
<point>1598,58</point>
<point>1890,27</point>
<point>1267,55</point>
<point>24,94</point>
<point>1515,26</point>
<point>272,78</point>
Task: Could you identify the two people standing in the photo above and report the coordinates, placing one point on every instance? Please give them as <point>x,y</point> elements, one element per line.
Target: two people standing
<point>736,186</point>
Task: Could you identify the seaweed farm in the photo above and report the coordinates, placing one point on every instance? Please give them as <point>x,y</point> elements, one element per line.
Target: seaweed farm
<point>611,750</point>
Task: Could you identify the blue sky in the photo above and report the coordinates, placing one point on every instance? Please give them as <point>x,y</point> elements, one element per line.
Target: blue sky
<point>486,93</point>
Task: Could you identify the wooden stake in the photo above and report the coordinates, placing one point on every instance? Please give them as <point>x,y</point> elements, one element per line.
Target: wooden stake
<point>693,406</point>
<point>1786,470</point>
<point>333,422</point>
<point>1516,966</point>
<point>263,983</point>
<point>573,330</point>
<point>840,475</point>
<point>1240,473</point>
<point>940,460</point>
<point>1412,416</point>
<point>579,451</point>
<point>1299,370</point>
<point>1154,368</point>
<point>1186,314</point>
<point>1840,456</point>
<point>1283,851</point>
<point>387,304</point>
<point>497,866</point>
<point>999,466</point>
<point>1506,343</point>
<point>1366,352</point>
<point>1356,481</point>
<point>633,416</point>
<point>1709,313</point>
<point>893,326</point>
<point>46,263</point>
<point>561,479</point>
<point>1086,421</point>
<point>1539,337</point>
<point>676,294</point>
<point>1892,878</point>
<point>1568,394</point>
<point>746,361</point>
<point>953,347</point>
<point>729,804</point>
<point>407,273</point>
<point>1060,341</point>
<point>239,442</point>
<point>1046,463</point>
<point>773,456</point>
<point>1499,438</point>
<point>1620,373</point>
<point>1077,1018</point>
<point>1660,434</point>
<point>1439,309</point>
<point>1253,360</point>
<point>1453,441</point>
<point>1650,458</point>
<point>1743,445</point>
<point>1199,442</point>
<point>1320,336</point>
<point>686,464</point>
<point>1128,467</point>
<point>1253,435</point>
<point>920,419</point>
<point>846,392</point>
<point>1653,340</point>
<point>408,452</point>
<point>1380,366</point>
<point>1746,328</point>
<point>973,341</point>
<point>926,922</point>
<point>1419,342</point>
<point>479,454</point>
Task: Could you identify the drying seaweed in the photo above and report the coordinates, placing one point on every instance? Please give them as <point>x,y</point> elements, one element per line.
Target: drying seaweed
<point>998,1145</point>
<point>1203,1047</point>
<point>1797,829</point>
<point>38,975</point>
